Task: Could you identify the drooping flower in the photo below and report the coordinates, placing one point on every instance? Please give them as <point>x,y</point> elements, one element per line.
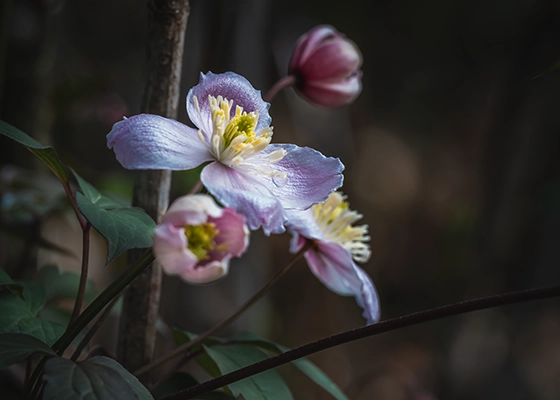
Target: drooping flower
<point>336,244</point>
<point>326,67</point>
<point>196,239</point>
<point>257,179</point>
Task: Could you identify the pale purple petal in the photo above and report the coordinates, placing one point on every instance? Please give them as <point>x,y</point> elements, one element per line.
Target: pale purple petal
<point>246,195</point>
<point>170,249</point>
<point>333,265</point>
<point>231,86</point>
<point>149,141</point>
<point>209,272</point>
<point>192,210</point>
<point>232,234</point>
<point>302,223</point>
<point>311,177</point>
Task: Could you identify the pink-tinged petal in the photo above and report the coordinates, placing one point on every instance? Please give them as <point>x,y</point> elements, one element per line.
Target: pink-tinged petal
<point>233,233</point>
<point>333,265</point>
<point>170,249</point>
<point>192,210</point>
<point>231,86</point>
<point>332,60</point>
<point>246,195</point>
<point>333,94</point>
<point>207,273</point>
<point>302,223</point>
<point>308,42</point>
<point>149,141</point>
<point>311,177</point>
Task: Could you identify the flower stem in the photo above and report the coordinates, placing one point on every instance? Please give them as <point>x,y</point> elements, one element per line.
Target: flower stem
<point>84,274</point>
<point>366,331</point>
<point>183,348</point>
<point>281,84</point>
<point>196,187</point>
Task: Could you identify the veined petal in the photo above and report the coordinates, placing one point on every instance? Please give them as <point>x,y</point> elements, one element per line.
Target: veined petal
<point>310,176</point>
<point>149,141</point>
<point>333,265</point>
<point>302,223</point>
<point>246,195</point>
<point>230,86</point>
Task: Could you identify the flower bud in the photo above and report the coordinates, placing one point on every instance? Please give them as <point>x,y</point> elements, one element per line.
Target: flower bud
<point>326,66</point>
<point>196,239</point>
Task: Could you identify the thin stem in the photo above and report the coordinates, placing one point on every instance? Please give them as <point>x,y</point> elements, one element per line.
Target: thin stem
<point>183,348</point>
<point>113,290</point>
<point>366,331</point>
<point>83,275</point>
<point>281,84</point>
<point>94,329</point>
<point>81,219</point>
<point>196,187</point>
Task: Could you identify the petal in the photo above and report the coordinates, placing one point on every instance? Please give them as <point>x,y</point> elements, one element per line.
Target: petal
<point>232,232</point>
<point>149,141</point>
<point>334,59</point>
<point>232,87</point>
<point>308,43</point>
<point>333,265</point>
<point>311,177</point>
<point>192,210</point>
<point>333,94</point>
<point>170,249</point>
<point>246,195</point>
<point>303,223</point>
<point>206,273</point>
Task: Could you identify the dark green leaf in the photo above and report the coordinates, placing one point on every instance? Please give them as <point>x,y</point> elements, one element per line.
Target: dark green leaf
<point>33,295</point>
<point>6,281</point>
<point>5,278</point>
<point>181,337</point>
<point>303,364</point>
<point>181,381</point>
<point>267,385</point>
<point>93,195</point>
<point>63,284</point>
<point>15,347</point>
<point>97,378</point>
<point>124,228</point>
<point>18,316</point>
<point>44,153</point>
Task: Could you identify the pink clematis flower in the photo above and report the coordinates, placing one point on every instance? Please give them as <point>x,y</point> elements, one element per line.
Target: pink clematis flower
<point>196,239</point>
<point>336,244</point>
<point>257,179</point>
<point>326,67</point>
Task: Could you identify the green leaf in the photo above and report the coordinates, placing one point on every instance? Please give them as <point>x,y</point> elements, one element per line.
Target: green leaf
<point>93,195</point>
<point>267,385</point>
<point>15,347</point>
<point>6,281</point>
<point>124,228</point>
<point>33,295</point>
<point>97,378</point>
<point>181,381</point>
<point>303,364</point>
<point>63,284</point>
<point>18,316</point>
<point>45,153</point>
<point>5,278</point>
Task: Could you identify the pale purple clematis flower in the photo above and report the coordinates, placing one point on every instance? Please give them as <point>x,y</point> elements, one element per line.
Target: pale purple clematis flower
<point>326,66</point>
<point>335,246</point>
<point>196,239</point>
<point>257,179</point>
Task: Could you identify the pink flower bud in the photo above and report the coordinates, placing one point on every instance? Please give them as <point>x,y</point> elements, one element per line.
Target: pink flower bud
<point>326,66</point>
<point>197,238</point>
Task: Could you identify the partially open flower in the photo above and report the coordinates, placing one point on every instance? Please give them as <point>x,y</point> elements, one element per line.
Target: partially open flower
<point>197,238</point>
<point>326,67</point>
<point>335,246</point>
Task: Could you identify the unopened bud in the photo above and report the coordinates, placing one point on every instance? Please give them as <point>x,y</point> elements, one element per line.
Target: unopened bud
<point>326,66</point>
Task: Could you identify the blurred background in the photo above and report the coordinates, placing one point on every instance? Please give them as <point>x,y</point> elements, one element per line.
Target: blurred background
<point>452,154</point>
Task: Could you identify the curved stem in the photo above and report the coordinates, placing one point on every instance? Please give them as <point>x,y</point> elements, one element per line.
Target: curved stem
<point>366,331</point>
<point>196,187</point>
<point>183,348</point>
<point>281,84</point>
<point>81,219</point>
<point>84,274</point>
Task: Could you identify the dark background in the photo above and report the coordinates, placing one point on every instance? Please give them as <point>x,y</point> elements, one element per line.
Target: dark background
<point>451,151</point>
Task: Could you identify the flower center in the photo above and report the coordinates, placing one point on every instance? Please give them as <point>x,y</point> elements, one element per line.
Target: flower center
<point>335,219</point>
<point>233,140</point>
<point>200,239</point>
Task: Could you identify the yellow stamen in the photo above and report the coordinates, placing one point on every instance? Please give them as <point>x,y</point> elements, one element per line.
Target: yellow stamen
<point>200,239</point>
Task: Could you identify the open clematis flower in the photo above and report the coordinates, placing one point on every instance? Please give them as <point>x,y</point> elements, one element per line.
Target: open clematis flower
<point>196,239</point>
<point>336,244</point>
<point>257,179</point>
